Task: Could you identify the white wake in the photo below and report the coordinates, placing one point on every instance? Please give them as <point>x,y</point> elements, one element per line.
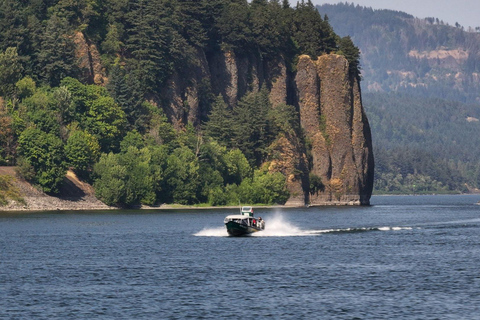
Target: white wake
<point>277,226</point>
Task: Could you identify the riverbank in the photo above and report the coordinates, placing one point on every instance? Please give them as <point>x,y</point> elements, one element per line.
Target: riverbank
<point>74,195</point>
<point>77,195</point>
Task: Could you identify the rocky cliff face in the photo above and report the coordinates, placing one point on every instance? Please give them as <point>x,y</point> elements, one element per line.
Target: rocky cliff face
<point>337,134</point>
<point>336,146</point>
<point>88,59</point>
<point>332,116</point>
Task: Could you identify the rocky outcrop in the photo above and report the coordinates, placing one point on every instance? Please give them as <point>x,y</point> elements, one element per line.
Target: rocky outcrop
<point>88,60</point>
<point>334,121</point>
<point>332,117</point>
<point>335,145</point>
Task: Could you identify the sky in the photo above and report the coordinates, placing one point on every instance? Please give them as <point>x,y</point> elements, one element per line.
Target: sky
<point>465,12</point>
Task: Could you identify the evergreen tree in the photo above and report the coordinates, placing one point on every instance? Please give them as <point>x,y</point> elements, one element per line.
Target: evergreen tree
<point>234,26</point>
<point>12,26</point>
<point>251,126</point>
<point>148,42</point>
<point>313,35</point>
<point>10,71</point>
<point>352,53</point>
<point>220,123</point>
<point>57,56</point>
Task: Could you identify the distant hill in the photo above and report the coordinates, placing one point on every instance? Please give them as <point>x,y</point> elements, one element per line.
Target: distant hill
<point>421,84</point>
<point>402,53</point>
<point>423,144</point>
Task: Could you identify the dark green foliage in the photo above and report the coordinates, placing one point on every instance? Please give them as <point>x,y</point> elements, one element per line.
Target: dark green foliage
<point>182,176</point>
<point>234,26</point>
<point>313,35</point>
<point>44,153</point>
<point>97,113</point>
<point>56,55</point>
<point>251,126</point>
<point>316,184</point>
<point>26,87</point>
<point>110,184</point>
<point>112,43</point>
<point>128,94</point>
<point>284,119</point>
<point>139,181</point>
<point>220,122</point>
<point>132,139</point>
<point>429,140</point>
<point>82,152</point>
<point>149,41</point>
<point>7,139</point>
<point>10,71</point>
<point>352,53</point>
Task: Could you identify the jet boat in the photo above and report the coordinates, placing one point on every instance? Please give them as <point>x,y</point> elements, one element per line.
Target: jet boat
<point>244,223</point>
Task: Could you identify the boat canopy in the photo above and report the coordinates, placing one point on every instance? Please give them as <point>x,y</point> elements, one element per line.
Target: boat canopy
<point>247,211</point>
<point>237,216</point>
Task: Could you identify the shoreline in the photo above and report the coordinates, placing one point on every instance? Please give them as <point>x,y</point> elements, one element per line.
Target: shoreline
<point>47,203</point>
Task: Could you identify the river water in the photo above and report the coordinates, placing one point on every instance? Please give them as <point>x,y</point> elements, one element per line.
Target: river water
<point>404,257</point>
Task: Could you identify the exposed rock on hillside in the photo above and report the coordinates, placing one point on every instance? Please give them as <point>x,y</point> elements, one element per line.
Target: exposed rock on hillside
<point>336,145</point>
<point>89,61</point>
<point>334,121</point>
<point>331,114</point>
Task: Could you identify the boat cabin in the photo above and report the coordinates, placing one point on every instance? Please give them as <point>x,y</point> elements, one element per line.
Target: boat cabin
<point>247,211</point>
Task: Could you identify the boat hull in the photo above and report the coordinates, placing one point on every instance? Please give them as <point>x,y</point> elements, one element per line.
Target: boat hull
<point>237,229</point>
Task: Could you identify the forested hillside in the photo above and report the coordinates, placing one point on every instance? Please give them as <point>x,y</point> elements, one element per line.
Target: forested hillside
<point>424,145</point>
<point>423,84</point>
<point>115,90</point>
<point>425,57</point>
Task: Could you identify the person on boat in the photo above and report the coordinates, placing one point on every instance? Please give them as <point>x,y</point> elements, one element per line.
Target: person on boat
<point>260,223</point>
<point>254,222</point>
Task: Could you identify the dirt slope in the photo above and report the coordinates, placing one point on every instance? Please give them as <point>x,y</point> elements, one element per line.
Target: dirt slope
<point>74,195</point>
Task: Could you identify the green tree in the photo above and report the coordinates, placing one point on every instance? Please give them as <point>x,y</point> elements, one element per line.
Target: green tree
<point>234,26</point>
<point>251,126</point>
<point>107,121</point>
<point>182,176</point>
<point>26,87</point>
<point>148,42</point>
<point>112,43</point>
<point>238,167</point>
<point>57,53</point>
<point>132,139</point>
<point>82,152</point>
<point>45,154</point>
<point>41,111</point>
<point>313,35</point>
<point>110,182</point>
<point>139,181</point>
<point>128,93</point>
<point>7,138</point>
<point>13,32</point>
<point>220,122</point>
<point>352,54</point>
<point>10,71</point>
